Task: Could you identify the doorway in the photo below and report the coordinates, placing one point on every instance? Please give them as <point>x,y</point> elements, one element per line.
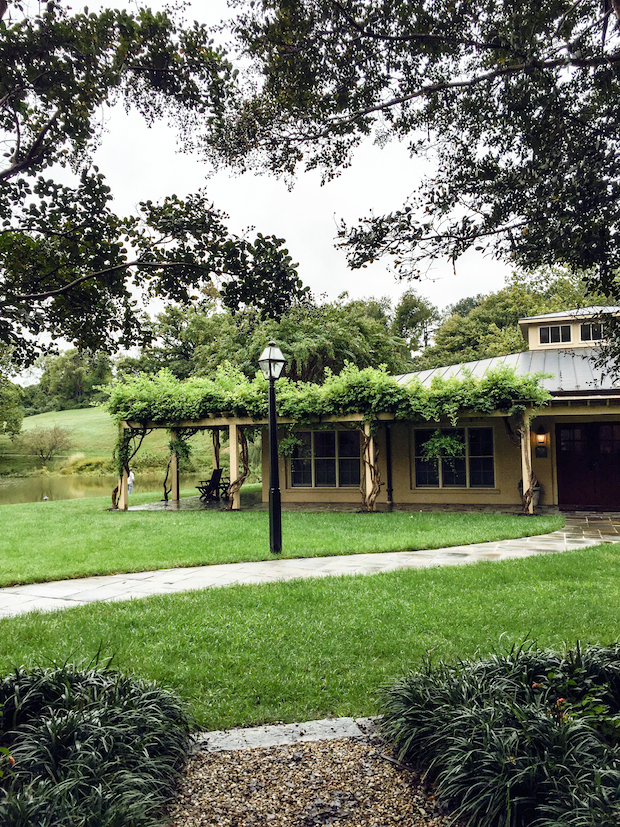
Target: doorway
<point>588,465</point>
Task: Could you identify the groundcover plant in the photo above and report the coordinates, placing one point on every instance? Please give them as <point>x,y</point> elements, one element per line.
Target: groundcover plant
<point>87,748</point>
<point>525,738</point>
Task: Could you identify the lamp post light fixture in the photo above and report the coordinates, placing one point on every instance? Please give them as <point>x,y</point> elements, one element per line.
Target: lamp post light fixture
<point>272,364</point>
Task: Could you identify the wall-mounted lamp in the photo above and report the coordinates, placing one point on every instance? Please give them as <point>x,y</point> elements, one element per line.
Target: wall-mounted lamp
<point>541,441</point>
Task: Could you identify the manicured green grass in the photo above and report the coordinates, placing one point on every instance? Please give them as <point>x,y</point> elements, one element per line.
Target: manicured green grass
<point>315,648</point>
<point>74,538</point>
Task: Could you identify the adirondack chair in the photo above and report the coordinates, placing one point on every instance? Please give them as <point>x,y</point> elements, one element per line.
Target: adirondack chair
<point>213,488</point>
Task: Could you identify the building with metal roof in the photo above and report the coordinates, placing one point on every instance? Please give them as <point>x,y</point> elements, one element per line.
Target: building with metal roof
<point>567,452</point>
<point>565,455</point>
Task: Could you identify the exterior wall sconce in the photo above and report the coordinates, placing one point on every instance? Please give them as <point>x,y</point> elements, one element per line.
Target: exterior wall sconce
<point>541,442</point>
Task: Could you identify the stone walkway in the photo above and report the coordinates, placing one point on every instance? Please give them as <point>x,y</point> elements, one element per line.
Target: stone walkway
<point>278,735</point>
<point>581,530</point>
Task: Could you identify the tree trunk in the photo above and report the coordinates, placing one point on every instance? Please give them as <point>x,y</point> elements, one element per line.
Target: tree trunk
<point>235,485</point>
<point>166,489</point>
<point>216,448</point>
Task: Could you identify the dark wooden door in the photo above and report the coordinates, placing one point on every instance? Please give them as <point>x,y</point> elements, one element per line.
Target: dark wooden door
<point>588,463</point>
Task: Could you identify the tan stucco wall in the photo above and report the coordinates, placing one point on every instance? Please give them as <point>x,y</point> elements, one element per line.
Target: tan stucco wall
<point>507,469</point>
<point>507,464</point>
<point>545,469</point>
<point>507,473</point>
<point>533,336</point>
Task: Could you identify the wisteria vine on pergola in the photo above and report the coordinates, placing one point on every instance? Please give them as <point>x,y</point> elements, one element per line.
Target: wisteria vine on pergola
<point>163,401</point>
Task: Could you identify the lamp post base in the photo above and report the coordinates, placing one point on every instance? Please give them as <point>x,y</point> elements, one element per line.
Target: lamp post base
<point>275,521</point>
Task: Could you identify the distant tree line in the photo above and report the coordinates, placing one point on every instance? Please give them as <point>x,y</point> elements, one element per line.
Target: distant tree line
<point>316,337</point>
<point>69,380</point>
<point>482,326</point>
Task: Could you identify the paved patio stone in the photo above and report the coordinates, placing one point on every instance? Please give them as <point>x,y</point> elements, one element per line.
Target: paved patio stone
<point>580,531</point>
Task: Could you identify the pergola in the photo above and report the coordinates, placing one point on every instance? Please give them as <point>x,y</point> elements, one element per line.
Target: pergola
<point>370,481</point>
<point>233,425</point>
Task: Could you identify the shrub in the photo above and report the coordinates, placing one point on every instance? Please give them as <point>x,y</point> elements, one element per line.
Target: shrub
<point>46,443</point>
<point>150,461</point>
<point>525,738</point>
<point>89,465</point>
<point>91,748</point>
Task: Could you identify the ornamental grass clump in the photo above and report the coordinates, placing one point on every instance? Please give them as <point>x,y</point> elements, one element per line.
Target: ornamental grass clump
<point>88,748</point>
<point>525,738</point>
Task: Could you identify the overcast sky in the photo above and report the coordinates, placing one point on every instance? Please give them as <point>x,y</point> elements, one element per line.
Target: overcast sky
<point>141,163</point>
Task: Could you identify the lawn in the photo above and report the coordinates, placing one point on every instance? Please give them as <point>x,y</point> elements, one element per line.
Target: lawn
<point>316,648</point>
<point>76,538</point>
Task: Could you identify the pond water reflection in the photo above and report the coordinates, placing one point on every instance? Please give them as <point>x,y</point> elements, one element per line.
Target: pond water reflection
<point>35,489</point>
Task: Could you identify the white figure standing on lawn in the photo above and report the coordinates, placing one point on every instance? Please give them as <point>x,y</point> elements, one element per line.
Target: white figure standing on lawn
<point>130,479</point>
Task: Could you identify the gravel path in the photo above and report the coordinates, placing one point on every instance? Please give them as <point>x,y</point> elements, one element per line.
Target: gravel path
<point>345,782</point>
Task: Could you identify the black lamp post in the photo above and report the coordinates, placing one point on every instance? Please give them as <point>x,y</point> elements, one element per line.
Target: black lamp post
<point>272,364</point>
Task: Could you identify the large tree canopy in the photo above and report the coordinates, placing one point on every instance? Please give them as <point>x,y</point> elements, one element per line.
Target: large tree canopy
<point>68,264</point>
<point>314,338</point>
<point>485,326</point>
<point>517,103</point>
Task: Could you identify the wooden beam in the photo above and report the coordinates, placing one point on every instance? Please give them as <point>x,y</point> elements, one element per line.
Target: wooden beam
<point>233,450</point>
<point>224,422</point>
<point>175,488</point>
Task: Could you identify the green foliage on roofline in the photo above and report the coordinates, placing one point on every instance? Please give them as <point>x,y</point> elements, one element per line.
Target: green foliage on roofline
<point>164,400</point>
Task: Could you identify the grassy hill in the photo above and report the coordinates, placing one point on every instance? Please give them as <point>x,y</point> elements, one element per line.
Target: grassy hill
<point>92,434</point>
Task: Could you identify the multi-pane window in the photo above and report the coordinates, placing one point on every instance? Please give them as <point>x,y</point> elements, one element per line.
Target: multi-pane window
<point>555,333</point>
<point>474,469</point>
<point>591,332</point>
<point>326,459</point>
<point>609,439</point>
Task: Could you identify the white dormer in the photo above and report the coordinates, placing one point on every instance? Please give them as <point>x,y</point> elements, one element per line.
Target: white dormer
<point>566,328</point>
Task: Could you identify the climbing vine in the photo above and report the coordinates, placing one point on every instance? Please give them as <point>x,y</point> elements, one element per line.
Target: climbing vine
<point>235,485</point>
<point>162,399</point>
<point>179,446</point>
<point>128,443</point>
<point>370,458</point>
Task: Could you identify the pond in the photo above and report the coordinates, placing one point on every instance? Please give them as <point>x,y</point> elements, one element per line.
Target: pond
<point>35,489</point>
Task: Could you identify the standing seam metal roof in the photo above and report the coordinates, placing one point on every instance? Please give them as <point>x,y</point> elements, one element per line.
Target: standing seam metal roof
<point>572,371</point>
<point>577,314</point>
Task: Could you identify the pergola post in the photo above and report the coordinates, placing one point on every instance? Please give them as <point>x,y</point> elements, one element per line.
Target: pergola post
<point>122,502</point>
<point>369,463</point>
<point>216,448</point>
<point>526,464</point>
<point>233,449</point>
<point>123,493</point>
<point>174,468</point>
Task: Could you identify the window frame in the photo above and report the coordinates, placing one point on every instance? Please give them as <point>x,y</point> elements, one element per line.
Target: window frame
<point>561,328</point>
<point>337,460</point>
<point>439,464</point>
<point>591,338</point>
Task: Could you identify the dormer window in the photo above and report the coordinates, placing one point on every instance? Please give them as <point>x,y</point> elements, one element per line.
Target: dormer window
<point>591,332</point>
<point>555,333</point>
